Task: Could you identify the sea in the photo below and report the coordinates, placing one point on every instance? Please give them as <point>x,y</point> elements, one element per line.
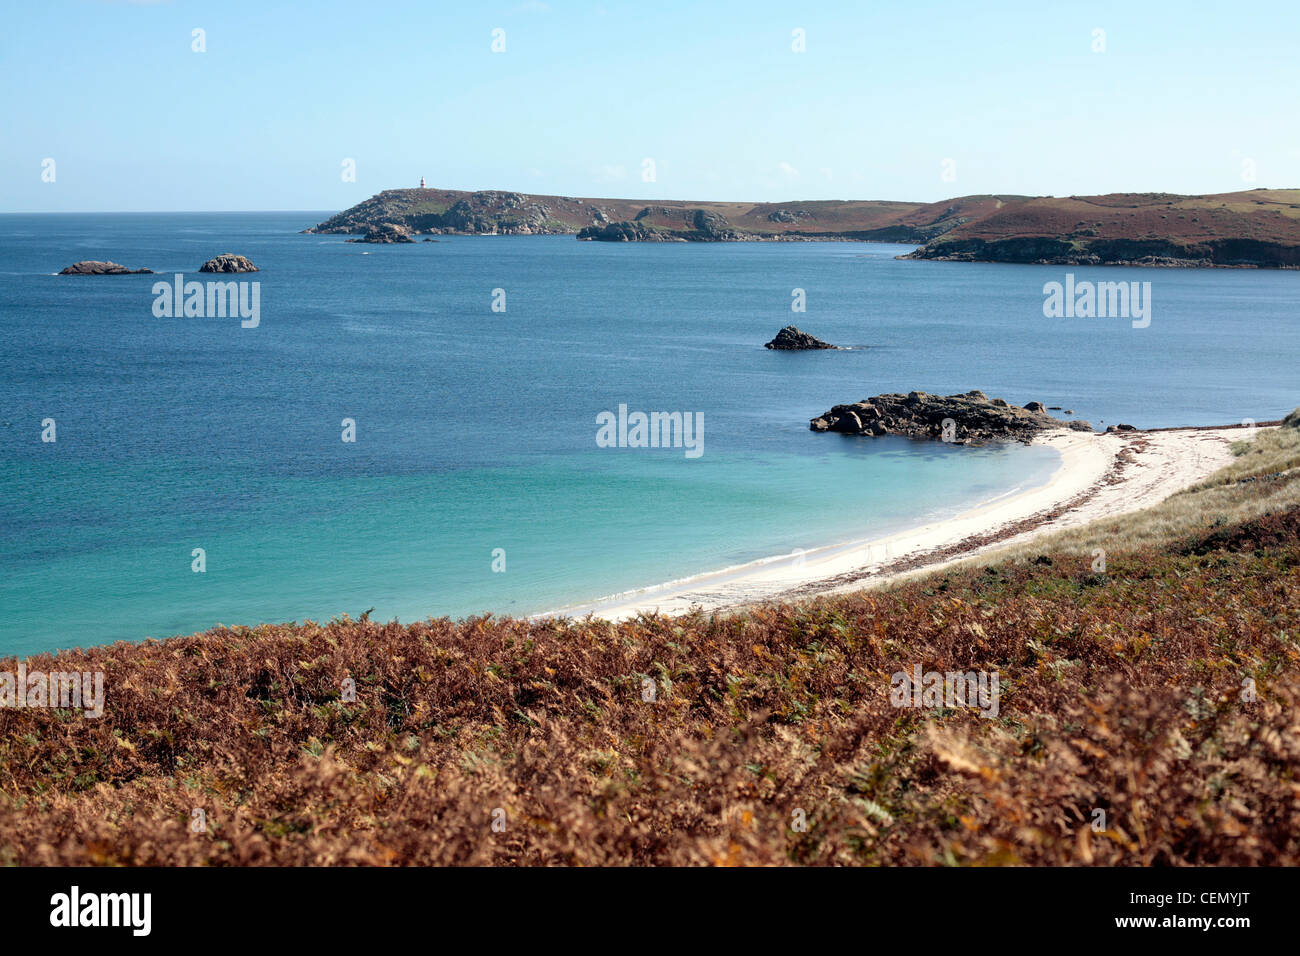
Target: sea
<point>413,430</point>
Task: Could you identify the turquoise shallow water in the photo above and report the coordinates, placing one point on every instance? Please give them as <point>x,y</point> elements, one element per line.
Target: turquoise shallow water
<point>476,429</point>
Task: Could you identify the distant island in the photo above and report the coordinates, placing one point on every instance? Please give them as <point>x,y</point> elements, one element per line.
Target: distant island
<point>1259,228</point>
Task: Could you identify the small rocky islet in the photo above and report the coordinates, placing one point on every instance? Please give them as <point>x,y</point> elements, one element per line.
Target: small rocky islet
<point>975,418</point>
<point>792,339</point>
<point>227,262</point>
<point>93,267</point>
<point>385,232</point>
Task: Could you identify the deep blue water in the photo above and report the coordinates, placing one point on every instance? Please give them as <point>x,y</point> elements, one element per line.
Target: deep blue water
<point>476,429</point>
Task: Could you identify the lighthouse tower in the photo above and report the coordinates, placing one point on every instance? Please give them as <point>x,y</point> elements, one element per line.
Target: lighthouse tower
<point>421,182</point>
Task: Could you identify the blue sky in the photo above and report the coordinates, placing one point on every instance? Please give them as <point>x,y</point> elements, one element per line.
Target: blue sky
<point>1185,98</point>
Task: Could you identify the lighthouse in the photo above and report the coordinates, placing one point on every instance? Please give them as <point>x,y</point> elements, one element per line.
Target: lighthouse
<point>421,182</point>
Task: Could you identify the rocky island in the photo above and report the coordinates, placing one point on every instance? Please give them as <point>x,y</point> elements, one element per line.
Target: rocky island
<point>1258,228</point>
<point>792,339</point>
<point>228,263</point>
<point>93,267</point>
<point>969,418</point>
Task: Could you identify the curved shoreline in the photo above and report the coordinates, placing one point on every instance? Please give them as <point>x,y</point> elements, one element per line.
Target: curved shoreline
<point>1100,475</point>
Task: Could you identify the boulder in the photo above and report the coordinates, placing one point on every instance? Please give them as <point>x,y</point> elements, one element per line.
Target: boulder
<point>791,338</point>
<point>228,263</point>
<point>93,267</point>
<point>848,423</point>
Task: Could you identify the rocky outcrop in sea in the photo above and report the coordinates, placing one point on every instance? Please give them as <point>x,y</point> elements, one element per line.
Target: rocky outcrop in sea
<point>969,418</point>
<point>229,262</point>
<point>93,267</point>
<point>386,232</point>
<point>792,338</point>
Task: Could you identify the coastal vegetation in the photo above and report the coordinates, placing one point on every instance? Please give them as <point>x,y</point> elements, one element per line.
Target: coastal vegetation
<point>1147,716</point>
<point>1261,482</point>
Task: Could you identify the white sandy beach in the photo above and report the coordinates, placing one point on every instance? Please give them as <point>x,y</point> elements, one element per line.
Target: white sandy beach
<point>1094,480</point>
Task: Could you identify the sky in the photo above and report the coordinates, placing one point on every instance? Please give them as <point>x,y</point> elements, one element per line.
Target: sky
<point>109,105</point>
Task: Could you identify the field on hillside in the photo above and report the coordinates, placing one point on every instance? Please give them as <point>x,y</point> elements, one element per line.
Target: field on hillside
<point>1147,715</point>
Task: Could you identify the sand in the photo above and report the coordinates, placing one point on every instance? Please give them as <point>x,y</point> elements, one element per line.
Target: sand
<point>1099,476</point>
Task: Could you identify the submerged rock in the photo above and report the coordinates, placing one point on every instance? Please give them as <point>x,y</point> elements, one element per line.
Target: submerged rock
<point>791,339</point>
<point>93,267</point>
<point>969,417</point>
<point>229,262</point>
